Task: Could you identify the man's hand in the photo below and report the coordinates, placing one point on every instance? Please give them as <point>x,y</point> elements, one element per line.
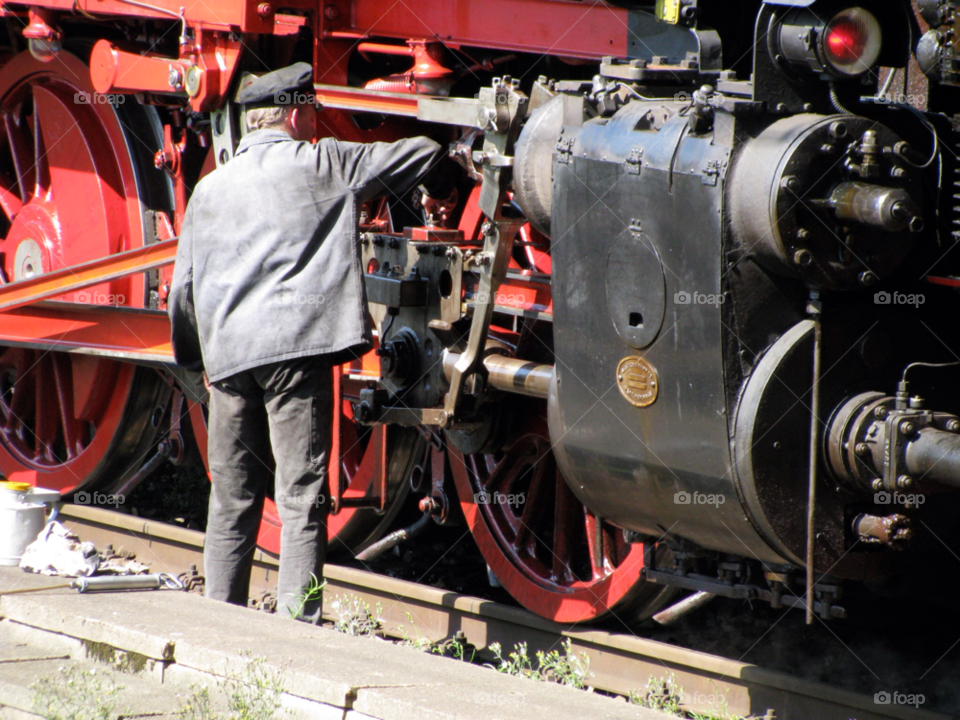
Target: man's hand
<point>206,381</point>
<point>439,212</point>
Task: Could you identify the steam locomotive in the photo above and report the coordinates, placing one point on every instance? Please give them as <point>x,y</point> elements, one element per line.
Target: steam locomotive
<point>691,327</point>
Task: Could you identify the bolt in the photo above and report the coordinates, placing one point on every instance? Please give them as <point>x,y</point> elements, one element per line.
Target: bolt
<point>838,129</point>
<point>897,172</point>
<point>175,77</point>
<point>486,228</point>
<point>791,183</point>
<point>331,12</point>
<point>907,427</point>
<point>867,278</point>
<point>900,211</point>
<point>828,149</point>
<point>876,485</point>
<point>264,10</point>
<point>802,257</point>
<point>881,413</point>
<point>904,482</point>
<point>861,449</point>
<point>953,425</point>
<point>916,224</point>
<point>803,233</point>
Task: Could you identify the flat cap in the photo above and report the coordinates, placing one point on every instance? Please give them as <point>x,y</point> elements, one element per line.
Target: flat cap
<point>292,85</point>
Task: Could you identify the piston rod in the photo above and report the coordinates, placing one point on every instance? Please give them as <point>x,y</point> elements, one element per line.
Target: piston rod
<point>509,374</point>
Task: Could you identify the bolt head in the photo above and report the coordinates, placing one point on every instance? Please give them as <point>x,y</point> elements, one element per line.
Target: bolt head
<point>904,482</point>
<point>862,449</point>
<point>264,10</point>
<point>331,12</point>
<point>953,425</point>
<point>907,427</point>
<point>881,413</point>
<point>791,183</point>
<point>876,485</point>
<point>802,257</point>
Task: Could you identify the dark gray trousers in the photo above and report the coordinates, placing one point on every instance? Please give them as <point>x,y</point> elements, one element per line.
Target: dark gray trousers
<point>271,424</point>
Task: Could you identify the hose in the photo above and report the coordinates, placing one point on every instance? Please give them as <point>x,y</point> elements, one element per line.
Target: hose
<point>394,539</point>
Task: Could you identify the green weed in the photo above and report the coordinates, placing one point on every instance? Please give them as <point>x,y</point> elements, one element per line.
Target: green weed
<point>77,694</point>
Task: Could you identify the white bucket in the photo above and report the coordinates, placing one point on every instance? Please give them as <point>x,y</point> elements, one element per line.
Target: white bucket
<point>21,520</point>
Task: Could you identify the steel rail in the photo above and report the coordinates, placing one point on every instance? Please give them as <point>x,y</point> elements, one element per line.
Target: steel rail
<point>619,662</point>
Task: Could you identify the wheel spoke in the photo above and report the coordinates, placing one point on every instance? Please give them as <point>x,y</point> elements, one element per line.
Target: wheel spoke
<point>566,510</point>
<point>21,406</point>
<point>40,161</point>
<point>534,510</point>
<point>45,430</point>
<point>72,429</point>
<point>10,201</point>
<point>21,153</point>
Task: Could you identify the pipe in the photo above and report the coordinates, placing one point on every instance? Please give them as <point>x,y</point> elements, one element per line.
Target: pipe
<point>935,455</point>
<point>814,309</point>
<point>690,603</point>
<point>394,539</point>
<point>509,374</point>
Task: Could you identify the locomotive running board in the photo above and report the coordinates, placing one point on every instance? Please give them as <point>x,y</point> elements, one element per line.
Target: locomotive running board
<point>59,282</point>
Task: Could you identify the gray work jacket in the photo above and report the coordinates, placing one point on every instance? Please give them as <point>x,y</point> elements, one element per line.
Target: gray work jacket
<point>268,263</point>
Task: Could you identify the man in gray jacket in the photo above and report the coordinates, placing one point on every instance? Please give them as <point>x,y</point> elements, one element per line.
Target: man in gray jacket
<point>267,296</point>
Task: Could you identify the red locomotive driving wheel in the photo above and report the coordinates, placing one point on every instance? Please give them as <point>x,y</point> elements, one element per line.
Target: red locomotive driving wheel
<point>543,545</point>
<point>71,192</point>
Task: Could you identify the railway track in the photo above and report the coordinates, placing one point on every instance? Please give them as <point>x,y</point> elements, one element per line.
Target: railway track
<point>619,663</point>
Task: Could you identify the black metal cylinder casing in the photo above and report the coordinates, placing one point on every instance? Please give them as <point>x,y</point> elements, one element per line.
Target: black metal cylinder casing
<point>637,228</point>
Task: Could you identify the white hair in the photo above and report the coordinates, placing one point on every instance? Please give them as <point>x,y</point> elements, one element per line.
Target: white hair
<point>266,117</point>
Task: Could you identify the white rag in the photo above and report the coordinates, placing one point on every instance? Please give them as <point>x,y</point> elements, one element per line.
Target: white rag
<point>57,551</point>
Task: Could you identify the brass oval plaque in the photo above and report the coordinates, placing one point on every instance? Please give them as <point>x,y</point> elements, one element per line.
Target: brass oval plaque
<point>637,380</point>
